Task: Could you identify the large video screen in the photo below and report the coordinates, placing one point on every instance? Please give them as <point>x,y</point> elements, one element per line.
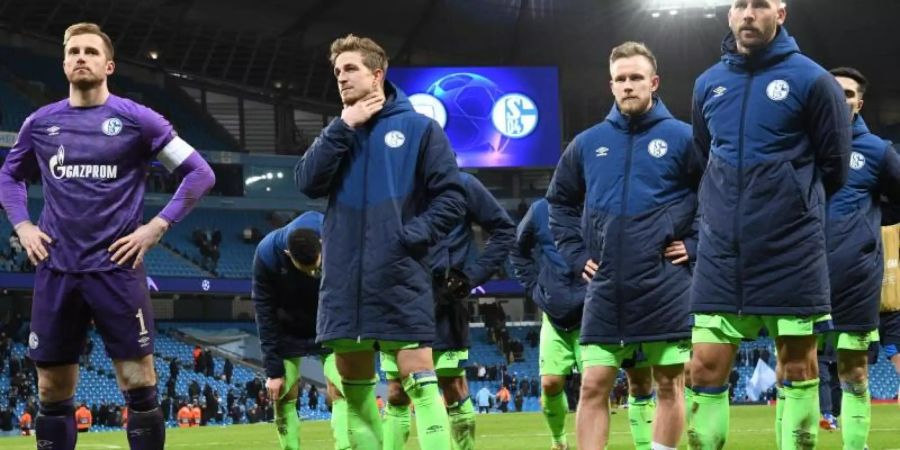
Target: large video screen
<point>494,116</point>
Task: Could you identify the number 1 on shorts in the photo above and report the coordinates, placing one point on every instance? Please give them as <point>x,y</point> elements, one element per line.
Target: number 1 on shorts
<point>140,317</point>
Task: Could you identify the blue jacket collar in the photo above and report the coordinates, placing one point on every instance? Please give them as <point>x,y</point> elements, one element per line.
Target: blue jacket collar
<point>859,126</point>
<point>780,48</point>
<point>657,114</point>
<point>396,101</point>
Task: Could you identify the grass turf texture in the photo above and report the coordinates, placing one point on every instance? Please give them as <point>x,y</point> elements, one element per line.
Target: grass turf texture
<point>751,428</point>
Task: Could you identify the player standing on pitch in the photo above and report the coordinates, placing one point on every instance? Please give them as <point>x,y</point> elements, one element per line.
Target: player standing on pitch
<point>393,191</point>
<point>285,294</point>
<point>631,174</point>
<point>455,271</point>
<point>93,151</point>
<point>855,258</point>
<point>559,292</point>
<point>772,130</point>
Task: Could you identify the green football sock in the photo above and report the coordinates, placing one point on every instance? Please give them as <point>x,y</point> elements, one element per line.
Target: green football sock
<point>363,421</point>
<point>856,415</point>
<point>432,423</point>
<point>800,422</point>
<point>708,427</point>
<point>556,408</point>
<point>396,426</point>
<point>339,424</point>
<point>688,398</point>
<point>287,424</point>
<point>462,424</point>
<point>779,414</point>
<point>640,416</point>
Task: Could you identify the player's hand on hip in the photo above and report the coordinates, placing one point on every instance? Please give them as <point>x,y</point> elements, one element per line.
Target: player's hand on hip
<point>360,112</point>
<point>33,239</point>
<point>590,269</point>
<point>273,387</point>
<point>138,243</point>
<point>676,253</point>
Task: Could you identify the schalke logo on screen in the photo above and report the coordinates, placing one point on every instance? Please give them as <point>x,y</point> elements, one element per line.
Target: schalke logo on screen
<point>477,115</point>
<point>515,115</point>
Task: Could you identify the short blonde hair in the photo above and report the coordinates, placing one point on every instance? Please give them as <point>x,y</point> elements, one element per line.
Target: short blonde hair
<point>90,28</point>
<point>631,48</point>
<point>373,56</point>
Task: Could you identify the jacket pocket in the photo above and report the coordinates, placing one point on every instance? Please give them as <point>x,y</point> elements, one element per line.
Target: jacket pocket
<point>594,238</point>
<point>802,192</point>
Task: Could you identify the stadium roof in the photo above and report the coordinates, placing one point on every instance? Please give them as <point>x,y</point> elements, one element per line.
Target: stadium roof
<point>269,43</point>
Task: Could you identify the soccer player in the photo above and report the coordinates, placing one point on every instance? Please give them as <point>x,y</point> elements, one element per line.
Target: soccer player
<point>393,192</point>
<point>286,297</point>
<point>93,151</point>
<point>456,268</point>
<point>630,174</point>
<point>855,260</point>
<point>559,292</point>
<point>772,130</point>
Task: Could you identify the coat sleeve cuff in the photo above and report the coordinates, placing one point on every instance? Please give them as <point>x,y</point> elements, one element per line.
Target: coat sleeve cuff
<point>274,368</point>
<point>690,246</point>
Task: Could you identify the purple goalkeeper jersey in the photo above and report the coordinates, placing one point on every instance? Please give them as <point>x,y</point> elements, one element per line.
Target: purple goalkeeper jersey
<point>93,163</point>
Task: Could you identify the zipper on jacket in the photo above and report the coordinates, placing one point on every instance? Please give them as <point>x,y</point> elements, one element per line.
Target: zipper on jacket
<point>362,239</point>
<point>740,179</point>
<point>627,177</point>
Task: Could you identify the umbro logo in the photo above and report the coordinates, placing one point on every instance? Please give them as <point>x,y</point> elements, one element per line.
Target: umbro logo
<point>719,91</point>
<point>53,131</point>
<point>602,151</point>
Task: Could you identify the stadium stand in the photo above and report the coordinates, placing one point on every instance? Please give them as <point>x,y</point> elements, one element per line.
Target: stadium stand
<point>97,386</point>
<point>235,254</point>
<point>14,108</point>
<point>191,122</point>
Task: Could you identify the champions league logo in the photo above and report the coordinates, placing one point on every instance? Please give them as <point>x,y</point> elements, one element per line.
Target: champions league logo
<point>475,113</point>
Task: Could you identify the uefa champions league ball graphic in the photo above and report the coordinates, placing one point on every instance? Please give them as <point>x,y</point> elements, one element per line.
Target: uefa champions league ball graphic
<point>469,99</point>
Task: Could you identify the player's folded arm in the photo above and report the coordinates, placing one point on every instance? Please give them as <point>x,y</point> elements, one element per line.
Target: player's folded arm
<point>491,216</point>
<point>444,191</point>
<point>521,255</point>
<point>566,199</point>
<point>19,166</point>
<point>830,132</point>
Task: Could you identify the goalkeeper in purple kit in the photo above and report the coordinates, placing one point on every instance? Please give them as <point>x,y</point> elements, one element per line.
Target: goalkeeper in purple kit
<point>92,151</point>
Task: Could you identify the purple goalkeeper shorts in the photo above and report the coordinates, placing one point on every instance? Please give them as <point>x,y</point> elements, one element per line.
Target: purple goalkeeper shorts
<point>64,305</point>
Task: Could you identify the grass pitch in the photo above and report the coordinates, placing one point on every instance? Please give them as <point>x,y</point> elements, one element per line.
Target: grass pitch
<point>751,429</point>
